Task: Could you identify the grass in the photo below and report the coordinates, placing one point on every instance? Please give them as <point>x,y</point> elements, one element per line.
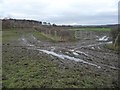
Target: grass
<point>15,34</point>
<point>9,35</point>
<point>96,29</point>
<point>41,36</point>
<point>46,37</point>
<point>34,71</point>
<point>111,47</point>
<point>58,38</point>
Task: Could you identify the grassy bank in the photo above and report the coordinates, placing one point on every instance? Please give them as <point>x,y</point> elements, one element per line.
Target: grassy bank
<point>59,38</point>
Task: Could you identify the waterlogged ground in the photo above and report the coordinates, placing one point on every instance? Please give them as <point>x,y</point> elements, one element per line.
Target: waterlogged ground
<point>30,60</point>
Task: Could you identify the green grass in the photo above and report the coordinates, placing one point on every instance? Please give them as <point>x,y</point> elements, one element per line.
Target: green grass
<point>15,34</point>
<point>58,38</point>
<point>41,36</point>
<point>96,29</point>
<point>111,47</point>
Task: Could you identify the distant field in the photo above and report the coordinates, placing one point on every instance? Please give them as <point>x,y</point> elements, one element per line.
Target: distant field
<point>15,34</point>
<point>96,29</point>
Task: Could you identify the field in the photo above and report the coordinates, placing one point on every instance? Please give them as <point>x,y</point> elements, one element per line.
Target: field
<point>96,29</point>
<point>30,59</point>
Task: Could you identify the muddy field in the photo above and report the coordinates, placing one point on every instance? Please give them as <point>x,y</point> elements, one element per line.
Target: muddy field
<point>29,61</point>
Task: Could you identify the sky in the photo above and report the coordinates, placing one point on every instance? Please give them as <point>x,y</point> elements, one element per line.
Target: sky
<point>62,12</point>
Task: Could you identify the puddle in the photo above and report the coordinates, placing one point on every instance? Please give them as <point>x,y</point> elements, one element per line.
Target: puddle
<point>24,40</point>
<point>104,38</point>
<point>30,45</point>
<point>99,47</point>
<point>76,54</point>
<point>26,43</point>
<point>62,56</point>
<point>92,47</point>
<point>52,53</point>
<point>71,50</point>
<point>82,53</point>
<point>67,52</point>
<point>52,48</point>
<point>109,42</point>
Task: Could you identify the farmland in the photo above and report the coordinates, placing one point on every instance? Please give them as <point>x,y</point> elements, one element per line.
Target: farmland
<point>33,59</point>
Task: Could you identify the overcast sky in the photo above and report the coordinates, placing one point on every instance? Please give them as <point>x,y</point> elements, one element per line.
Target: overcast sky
<point>82,12</point>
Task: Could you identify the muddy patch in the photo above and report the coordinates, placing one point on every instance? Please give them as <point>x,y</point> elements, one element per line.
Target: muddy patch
<point>83,54</point>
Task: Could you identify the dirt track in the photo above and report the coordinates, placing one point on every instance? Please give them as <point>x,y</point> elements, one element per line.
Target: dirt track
<point>88,51</point>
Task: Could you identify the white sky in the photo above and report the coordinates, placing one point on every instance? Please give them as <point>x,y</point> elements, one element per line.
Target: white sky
<point>62,11</point>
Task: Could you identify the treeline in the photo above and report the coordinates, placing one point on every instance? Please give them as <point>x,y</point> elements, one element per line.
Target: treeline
<point>22,23</point>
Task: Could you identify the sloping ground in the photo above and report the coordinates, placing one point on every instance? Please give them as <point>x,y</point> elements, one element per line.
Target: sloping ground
<point>29,61</point>
<point>58,34</point>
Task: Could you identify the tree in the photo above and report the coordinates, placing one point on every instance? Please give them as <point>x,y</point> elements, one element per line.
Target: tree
<point>49,24</point>
<point>54,25</point>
